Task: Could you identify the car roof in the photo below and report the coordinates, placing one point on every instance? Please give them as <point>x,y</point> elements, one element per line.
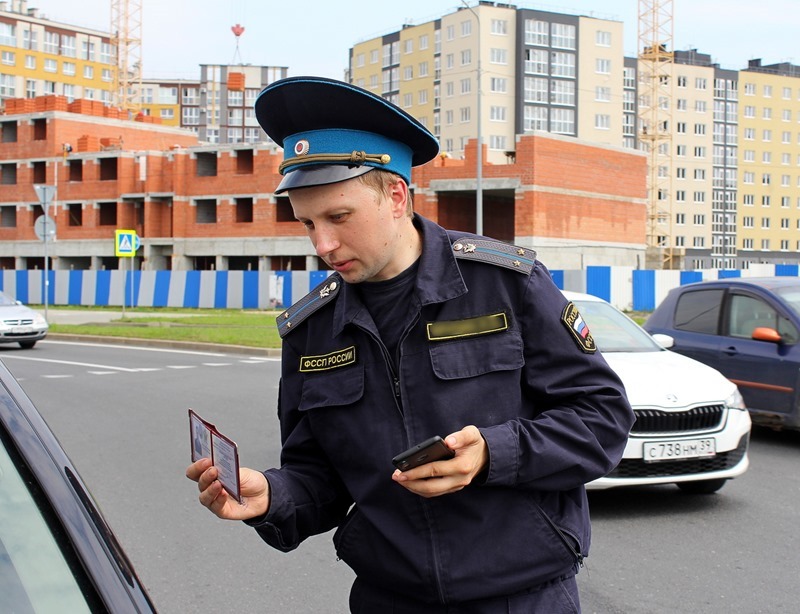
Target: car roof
<point>581,296</point>
<point>768,283</point>
<point>106,564</point>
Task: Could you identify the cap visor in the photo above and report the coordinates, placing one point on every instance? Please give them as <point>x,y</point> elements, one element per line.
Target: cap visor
<point>319,175</point>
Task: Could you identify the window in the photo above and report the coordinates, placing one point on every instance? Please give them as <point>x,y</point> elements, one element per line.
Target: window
<point>562,92</point>
<point>537,32</point>
<point>50,42</point>
<point>408,46</point>
<point>680,127</point>
<point>466,57</point>
<point>699,311</point>
<point>466,28</point>
<point>423,42</point>
<point>700,83</point>
<point>466,86</point>
<point>497,114</point>
<point>50,65</point>
<point>498,56</point>
<point>423,69</point>
<point>108,214</point>
<point>498,85</point>
<point>602,38</point>
<point>602,66</point>
<point>602,93</point>
<point>244,210</point>
<point>500,27</point>
<point>465,114</point>
<point>680,173</point>
<point>700,106</point>
<point>563,121</point>
<point>536,61</point>
<point>497,142</point>
<point>602,122</point>
<point>749,89</point>
<point>562,36</point>
<point>536,118</point>
<point>699,129</point>
<point>9,58</point>
<point>536,89</point>
<point>68,68</point>
<point>206,211</point>
<point>563,64</point>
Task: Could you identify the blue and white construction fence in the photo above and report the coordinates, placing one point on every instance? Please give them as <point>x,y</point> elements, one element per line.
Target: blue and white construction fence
<point>624,287</point>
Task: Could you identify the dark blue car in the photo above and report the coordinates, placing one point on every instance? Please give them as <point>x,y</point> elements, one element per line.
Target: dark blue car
<point>747,328</point>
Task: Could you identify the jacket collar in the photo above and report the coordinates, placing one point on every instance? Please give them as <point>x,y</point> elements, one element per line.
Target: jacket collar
<point>439,278</point>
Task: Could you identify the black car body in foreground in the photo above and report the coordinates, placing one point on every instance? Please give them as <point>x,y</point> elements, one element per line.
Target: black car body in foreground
<point>57,554</point>
<point>747,328</point>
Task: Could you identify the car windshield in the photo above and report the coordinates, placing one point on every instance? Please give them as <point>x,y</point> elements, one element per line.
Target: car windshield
<point>613,331</point>
<point>34,575</point>
<point>6,300</point>
<point>790,294</point>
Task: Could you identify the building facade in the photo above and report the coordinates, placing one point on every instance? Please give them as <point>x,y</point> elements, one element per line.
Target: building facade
<point>39,57</point>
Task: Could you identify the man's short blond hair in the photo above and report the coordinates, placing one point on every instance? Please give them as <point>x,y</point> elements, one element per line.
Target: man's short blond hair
<point>381,181</point>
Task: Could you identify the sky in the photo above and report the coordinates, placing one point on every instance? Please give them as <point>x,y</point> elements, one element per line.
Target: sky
<point>313,37</point>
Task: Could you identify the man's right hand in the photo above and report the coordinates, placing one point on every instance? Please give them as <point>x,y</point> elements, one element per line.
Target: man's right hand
<point>254,489</point>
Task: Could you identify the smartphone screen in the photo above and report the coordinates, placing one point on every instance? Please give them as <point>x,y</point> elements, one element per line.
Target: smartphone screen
<point>430,450</point>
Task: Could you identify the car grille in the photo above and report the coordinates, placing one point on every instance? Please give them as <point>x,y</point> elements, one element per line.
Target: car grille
<point>695,419</point>
<point>637,468</point>
<point>24,322</point>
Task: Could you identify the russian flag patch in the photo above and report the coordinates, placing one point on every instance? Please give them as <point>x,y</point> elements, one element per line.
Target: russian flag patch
<point>579,329</point>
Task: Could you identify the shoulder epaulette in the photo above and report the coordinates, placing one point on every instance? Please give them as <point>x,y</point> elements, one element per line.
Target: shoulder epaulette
<point>318,297</point>
<point>495,252</point>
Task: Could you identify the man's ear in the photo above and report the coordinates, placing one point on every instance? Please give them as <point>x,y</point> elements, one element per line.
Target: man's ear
<point>398,195</point>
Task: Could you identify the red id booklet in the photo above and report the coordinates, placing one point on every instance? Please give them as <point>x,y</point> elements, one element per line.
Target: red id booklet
<point>208,442</point>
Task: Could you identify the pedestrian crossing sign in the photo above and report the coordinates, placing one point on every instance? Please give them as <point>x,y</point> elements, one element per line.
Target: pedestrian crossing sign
<point>126,243</point>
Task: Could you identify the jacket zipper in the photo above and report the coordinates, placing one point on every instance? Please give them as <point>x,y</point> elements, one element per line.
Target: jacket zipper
<point>573,549</point>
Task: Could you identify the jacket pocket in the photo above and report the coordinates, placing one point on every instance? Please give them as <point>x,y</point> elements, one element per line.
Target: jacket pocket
<point>471,356</point>
<point>333,388</point>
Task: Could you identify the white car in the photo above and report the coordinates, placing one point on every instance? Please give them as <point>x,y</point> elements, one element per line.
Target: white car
<point>20,324</point>
<point>692,427</point>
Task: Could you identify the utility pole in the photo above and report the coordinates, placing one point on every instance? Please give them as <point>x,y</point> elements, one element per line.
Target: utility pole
<point>479,159</point>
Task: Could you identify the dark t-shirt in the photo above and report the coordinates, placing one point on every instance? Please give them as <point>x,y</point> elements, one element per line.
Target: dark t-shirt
<point>390,305</point>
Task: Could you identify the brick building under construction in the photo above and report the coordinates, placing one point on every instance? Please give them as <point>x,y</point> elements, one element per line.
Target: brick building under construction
<point>212,207</point>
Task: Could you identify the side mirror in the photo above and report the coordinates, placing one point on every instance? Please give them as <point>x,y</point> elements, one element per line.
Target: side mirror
<point>665,341</point>
<point>764,333</point>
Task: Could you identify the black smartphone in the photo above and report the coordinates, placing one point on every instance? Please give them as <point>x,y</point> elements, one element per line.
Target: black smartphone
<point>430,450</point>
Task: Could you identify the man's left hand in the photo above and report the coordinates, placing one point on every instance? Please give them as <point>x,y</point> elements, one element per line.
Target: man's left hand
<point>448,476</point>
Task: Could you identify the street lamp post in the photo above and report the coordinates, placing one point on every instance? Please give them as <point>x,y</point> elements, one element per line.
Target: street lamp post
<point>479,160</point>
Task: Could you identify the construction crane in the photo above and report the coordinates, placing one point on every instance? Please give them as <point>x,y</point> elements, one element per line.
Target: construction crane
<point>656,63</point>
<point>126,42</point>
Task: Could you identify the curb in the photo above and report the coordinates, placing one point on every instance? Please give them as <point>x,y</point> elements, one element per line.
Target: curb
<point>180,345</point>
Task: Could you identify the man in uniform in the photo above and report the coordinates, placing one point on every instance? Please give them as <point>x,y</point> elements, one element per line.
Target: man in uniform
<point>421,331</point>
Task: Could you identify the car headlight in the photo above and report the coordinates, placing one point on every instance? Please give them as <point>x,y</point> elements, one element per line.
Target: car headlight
<point>735,400</point>
<point>38,320</point>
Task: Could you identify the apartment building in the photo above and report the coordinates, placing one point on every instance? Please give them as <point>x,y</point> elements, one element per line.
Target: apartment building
<point>769,160</point>
<point>227,95</point>
<point>39,57</point>
<point>501,71</point>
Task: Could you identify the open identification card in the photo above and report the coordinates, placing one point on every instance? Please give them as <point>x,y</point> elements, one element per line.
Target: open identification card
<point>208,442</point>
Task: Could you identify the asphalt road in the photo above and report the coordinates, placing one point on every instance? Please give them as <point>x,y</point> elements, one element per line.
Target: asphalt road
<point>121,413</point>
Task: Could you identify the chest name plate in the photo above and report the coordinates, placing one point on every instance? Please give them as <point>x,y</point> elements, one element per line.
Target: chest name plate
<point>324,362</point>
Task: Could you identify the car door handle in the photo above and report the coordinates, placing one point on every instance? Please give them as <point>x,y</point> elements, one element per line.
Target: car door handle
<point>730,350</point>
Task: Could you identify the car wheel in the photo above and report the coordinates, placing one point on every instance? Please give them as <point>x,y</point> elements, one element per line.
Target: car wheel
<point>26,345</point>
<point>702,487</point>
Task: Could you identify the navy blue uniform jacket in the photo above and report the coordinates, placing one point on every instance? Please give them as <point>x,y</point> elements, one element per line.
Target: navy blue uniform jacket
<point>553,415</point>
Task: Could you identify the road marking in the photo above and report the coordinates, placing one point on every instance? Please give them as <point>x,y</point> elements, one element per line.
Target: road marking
<point>76,364</point>
<point>102,372</point>
<point>217,364</point>
<point>132,347</point>
<point>57,376</point>
<point>181,366</point>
